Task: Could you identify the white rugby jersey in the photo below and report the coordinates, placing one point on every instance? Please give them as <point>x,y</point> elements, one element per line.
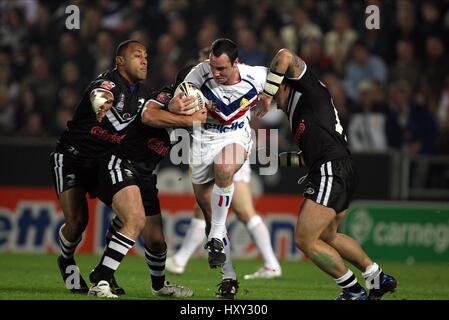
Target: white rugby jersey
<point>232,102</point>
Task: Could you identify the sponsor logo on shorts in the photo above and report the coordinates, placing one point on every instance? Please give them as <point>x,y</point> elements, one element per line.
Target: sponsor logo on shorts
<point>71,180</point>
<point>309,191</point>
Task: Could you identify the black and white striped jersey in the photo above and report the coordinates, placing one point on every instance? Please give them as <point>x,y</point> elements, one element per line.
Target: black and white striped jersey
<point>85,136</point>
<point>314,120</point>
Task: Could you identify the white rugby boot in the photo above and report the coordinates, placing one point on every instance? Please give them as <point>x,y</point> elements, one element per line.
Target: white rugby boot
<point>101,290</point>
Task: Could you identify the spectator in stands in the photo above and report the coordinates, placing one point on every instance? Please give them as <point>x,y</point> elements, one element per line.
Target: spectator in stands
<point>90,24</point>
<point>44,87</point>
<point>249,50</point>
<point>406,66</point>
<point>316,58</point>
<point>33,127</point>
<point>363,66</point>
<point>271,43</point>
<point>182,35</point>
<point>431,21</point>
<point>367,127</point>
<point>339,40</point>
<point>7,108</point>
<point>410,127</point>
<point>295,33</point>
<point>70,75</point>
<point>8,87</point>
<point>442,142</point>
<point>13,31</point>
<point>103,51</point>
<point>436,68</point>
<point>405,24</point>
<point>208,32</point>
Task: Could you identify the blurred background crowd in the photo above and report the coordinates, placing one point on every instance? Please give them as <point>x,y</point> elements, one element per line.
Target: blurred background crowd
<point>390,86</point>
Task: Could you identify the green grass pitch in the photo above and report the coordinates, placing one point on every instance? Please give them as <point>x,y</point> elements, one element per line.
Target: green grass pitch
<point>36,276</point>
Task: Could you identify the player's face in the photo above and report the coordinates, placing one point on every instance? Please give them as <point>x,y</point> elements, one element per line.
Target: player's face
<point>136,61</point>
<point>281,96</point>
<point>222,69</point>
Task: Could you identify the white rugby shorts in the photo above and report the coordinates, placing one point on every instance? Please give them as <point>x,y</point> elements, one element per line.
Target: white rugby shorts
<point>204,151</point>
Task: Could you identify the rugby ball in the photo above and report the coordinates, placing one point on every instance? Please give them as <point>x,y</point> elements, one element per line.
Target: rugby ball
<point>191,91</point>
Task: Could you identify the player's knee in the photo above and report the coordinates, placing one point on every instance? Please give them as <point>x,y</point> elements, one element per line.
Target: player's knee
<point>302,242</point>
<point>140,222</point>
<point>328,237</point>
<point>223,174</point>
<point>135,221</point>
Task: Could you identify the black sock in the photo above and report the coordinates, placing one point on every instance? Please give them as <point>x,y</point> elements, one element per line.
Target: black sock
<point>156,263</point>
<point>115,226</point>
<point>112,257</point>
<point>67,248</point>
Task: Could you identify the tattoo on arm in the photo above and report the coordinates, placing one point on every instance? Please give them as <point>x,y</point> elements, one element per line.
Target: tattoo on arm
<point>288,63</point>
<point>295,68</point>
<point>275,63</point>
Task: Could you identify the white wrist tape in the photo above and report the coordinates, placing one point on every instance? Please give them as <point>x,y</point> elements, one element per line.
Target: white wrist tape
<point>274,80</point>
<point>97,99</point>
<point>290,159</point>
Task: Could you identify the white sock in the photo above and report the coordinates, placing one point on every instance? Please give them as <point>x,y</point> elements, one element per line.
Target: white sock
<point>194,237</point>
<point>228,269</point>
<point>371,275</point>
<point>259,232</point>
<point>67,248</point>
<point>220,203</point>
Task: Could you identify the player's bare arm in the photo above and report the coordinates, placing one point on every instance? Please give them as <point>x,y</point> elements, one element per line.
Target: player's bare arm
<point>154,116</point>
<point>287,63</point>
<point>284,63</point>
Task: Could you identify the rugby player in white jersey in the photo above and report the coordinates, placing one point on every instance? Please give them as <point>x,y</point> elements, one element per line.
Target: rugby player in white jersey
<point>243,207</point>
<point>222,145</point>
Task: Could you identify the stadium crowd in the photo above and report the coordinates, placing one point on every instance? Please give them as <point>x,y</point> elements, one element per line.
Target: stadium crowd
<point>390,85</point>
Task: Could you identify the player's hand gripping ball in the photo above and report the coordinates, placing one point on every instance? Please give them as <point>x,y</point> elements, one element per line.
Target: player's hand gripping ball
<point>191,91</point>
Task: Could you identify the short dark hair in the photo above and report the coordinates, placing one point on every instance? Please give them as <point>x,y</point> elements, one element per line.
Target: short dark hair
<point>123,45</point>
<point>227,46</point>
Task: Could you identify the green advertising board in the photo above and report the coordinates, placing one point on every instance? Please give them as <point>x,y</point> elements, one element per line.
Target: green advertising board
<point>400,231</point>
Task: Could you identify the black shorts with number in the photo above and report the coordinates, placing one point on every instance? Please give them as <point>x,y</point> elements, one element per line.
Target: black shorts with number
<point>332,184</point>
<point>116,173</point>
<point>70,171</point>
